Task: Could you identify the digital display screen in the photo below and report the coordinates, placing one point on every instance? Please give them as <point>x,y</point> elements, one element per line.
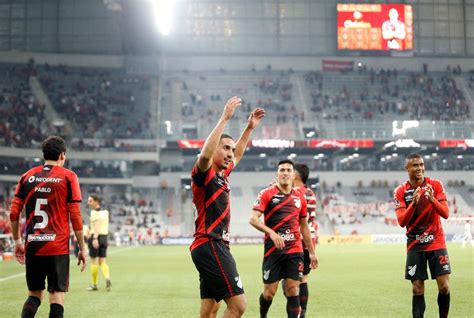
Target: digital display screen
<point>379,27</point>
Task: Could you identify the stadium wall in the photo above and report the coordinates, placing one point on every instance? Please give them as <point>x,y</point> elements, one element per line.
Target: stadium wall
<point>178,63</point>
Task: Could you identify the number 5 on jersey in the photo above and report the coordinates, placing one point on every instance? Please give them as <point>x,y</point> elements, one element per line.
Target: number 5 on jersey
<point>42,213</point>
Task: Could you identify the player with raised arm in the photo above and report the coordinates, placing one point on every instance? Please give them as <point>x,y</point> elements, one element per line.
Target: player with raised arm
<point>210,251</point>
<point>285,221</point>
<point>420,203</point>
<point>51,196</point>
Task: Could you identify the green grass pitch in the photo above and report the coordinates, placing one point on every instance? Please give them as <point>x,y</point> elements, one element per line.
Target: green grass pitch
<point>161,281</point>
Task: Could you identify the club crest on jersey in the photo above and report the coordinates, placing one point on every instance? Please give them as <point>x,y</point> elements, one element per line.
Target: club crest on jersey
<point>225,235</point>
<point>297,202</point>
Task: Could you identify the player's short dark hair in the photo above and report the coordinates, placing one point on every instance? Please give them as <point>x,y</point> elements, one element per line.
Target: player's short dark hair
<point>303,171</point>
<point>224,136</point>
<point>95,197</point>
<point>286,161</point>
<point>414,156</point>
<point>52,147</point>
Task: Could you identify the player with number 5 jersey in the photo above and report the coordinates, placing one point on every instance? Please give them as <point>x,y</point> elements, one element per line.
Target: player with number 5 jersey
<point>51,196</point>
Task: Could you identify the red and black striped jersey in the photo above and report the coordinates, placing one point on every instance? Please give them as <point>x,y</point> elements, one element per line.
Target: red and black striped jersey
<point>282,213</point>
<point>211,201</point>
<point>424,230</point>
<point>310,197</point>
<point>45,192</point>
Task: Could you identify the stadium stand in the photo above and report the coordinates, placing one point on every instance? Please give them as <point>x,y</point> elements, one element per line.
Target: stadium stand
<point>99,103</point>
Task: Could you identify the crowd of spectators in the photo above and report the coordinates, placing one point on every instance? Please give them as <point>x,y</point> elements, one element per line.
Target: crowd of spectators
<point>23,122</point>
<point>268,89</point>
<point>374,95</point>
<point>99,102</point>
<point>84,168</point>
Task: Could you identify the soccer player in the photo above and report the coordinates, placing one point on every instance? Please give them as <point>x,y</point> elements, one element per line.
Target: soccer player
<point>98,242</point>
<point>51,196</point>
<point>301,177</point>
<point>210,252</point>
<point>467,235</point>
<point>285,221</point>
<point>419,204</point>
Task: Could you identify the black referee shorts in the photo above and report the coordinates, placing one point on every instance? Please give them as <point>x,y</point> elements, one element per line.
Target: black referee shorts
<point>102,250</point>
<point>54,267</point>
<point>218,274</point>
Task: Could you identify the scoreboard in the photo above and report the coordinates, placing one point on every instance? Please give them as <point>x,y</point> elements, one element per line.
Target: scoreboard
<point>379,27</point>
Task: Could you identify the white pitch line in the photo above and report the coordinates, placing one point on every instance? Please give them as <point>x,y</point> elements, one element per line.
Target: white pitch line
<point>11,277</point>
<point>23,274</point>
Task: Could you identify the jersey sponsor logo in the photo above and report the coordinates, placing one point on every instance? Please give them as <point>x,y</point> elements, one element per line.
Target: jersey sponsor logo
<point>408,195</point>
<point>43,189</point>
<point>276,200</point>
<point>287,236</point>
<point>266,274</point>
<point>41,237</point>
<point>425,238</point>
<point>239,282</point>
<point>411,270</point>
<point>41,179</point>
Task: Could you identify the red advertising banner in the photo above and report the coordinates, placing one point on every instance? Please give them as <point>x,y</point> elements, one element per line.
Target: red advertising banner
<point>456,143</point>
<point>374,27</point>
<point>282,143</point>
<point>190,143</point>
<point>335,66</point>
<point>341,143</point>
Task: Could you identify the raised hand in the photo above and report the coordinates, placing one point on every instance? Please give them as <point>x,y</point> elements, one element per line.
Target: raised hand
<point>232,104</point>
<point>429,193</point>
<point>255,117</point>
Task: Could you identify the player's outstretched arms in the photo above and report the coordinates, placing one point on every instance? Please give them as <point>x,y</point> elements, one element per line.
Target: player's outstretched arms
<point>254,119</point>
<point>205,158</point>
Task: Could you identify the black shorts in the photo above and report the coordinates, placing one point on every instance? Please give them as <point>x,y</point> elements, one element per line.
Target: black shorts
<point>306,263</point>
<point>55,268</point>
<point>279,266</point>
<point>438,261</point>
<point>102,250</point>
<point>218,274</point>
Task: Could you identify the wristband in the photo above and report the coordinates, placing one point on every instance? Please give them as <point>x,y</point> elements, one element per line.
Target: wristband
<point>18,242</point>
